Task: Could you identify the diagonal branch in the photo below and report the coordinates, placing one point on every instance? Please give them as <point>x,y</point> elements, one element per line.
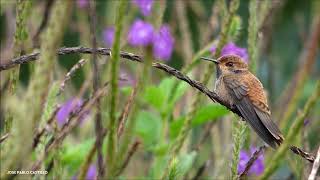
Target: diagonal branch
<point>132,57</point>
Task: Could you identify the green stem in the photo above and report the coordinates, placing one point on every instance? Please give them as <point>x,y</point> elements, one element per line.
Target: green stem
<point>252,36</point>
<point>114,86</point>
<point>20,37</point>
<point>293,132</point>
<point>239,128</point>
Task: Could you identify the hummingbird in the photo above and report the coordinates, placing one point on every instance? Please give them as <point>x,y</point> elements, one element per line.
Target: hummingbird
<point>237,86</point>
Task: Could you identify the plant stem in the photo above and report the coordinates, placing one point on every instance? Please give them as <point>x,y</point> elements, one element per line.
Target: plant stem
<point>239,128</point>
<point>111,148</point>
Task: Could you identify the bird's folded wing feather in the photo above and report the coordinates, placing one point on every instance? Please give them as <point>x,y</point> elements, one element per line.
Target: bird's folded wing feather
<point>255,112</point>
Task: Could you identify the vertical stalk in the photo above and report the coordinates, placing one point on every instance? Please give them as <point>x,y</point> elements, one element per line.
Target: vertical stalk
<point>96,83</point>
<point>50,41</point>
<point>252,36</point>
<point>239,128</point>
<point>111,148</point>
<point>20,37</point>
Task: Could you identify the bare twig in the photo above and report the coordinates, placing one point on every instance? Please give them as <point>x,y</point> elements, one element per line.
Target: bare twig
<point>96,83</point>
<point>40,132</point>
<point>252,159</point>
<point>68,76</point>
<point>201,170</point>
<point>126,111</point>
<point>45,19</point>
<point>132,150</point>
<point>4,137</point>
<point>132,57</point>
<point>315,167</point>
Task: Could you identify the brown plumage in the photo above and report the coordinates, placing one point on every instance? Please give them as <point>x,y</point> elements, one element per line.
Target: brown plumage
<point>241,89</point>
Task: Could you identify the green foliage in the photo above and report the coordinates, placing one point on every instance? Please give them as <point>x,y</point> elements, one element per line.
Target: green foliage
<point>158,96</point>
<point>73,155</point>
<point>204,114</point>
<point>148,127</point>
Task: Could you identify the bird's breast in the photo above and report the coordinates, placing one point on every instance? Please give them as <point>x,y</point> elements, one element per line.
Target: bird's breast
<point>222,91</point>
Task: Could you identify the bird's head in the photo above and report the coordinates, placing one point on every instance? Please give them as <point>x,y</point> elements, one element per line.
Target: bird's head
<point>229,64</point>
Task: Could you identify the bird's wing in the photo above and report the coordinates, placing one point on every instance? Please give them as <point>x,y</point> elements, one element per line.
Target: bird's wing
<point>260,121</point>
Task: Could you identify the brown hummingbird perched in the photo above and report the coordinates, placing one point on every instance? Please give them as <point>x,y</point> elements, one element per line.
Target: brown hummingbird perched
<point>241,89</point>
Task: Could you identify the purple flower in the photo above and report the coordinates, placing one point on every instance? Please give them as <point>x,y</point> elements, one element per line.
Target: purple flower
<point>126,79</point>
<point>140,33</point>
<point>108,36</point>
<point>163,43</point>
<point>258,166</point>
<point>91,173</point>
<point>243,159</point>
<point>69,107</point>
<point>82,3</point>
<point>232,48</point>
<point>145,6</point>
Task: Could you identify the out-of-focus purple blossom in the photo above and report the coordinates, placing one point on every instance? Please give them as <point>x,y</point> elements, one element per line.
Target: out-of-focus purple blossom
<point>232,48</point>
<point>258,166</point>
<point>243,159</point>
<point>140,33</point>
<point>108,36</point>
<point>163,43</point>
<point>91,173</point>
<point>82,3</point>
<point>145,6</point>
<point>69,107</point>
<point>126,79</point>
<point>306,122</point>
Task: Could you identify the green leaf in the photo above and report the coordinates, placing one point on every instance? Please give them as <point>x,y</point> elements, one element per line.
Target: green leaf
<point>208,113</point>
<point>148,127</point>
<point>157,96</point>
<point>176,126</point>
<point>74,155</point>
<point>154,96</point>
<point>205,114</point>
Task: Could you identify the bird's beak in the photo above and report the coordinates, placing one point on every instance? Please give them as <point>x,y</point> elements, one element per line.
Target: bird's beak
<point>209,59</point>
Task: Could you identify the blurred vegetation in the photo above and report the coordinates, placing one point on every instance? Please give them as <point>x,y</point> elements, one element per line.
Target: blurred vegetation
<point>170,130</point>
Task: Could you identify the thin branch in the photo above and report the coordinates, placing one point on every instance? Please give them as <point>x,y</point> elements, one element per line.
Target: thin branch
<point>4,137</point>
<point>201,170</point>
<point>315,167</point>
<point>126,111</point>
<point>45,19</point>
<point>132,57</point>
<point>252,159</point>
<point>96,83</point>
<point>68,76</point>
<point>132,150</point>
<point>40,132</point>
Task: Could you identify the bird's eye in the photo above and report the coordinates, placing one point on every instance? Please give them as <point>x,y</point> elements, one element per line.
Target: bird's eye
<point>229,64</point>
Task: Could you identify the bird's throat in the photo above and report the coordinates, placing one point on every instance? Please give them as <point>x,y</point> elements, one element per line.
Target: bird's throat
<point>218,72</point>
